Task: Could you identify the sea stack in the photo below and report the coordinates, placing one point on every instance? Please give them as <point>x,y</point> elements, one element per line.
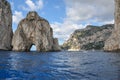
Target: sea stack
<point>113,42</point>
<point>5,25</point>
<point>34,30</point>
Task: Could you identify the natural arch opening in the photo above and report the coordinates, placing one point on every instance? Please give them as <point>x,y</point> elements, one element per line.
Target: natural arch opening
<point>33,48</point>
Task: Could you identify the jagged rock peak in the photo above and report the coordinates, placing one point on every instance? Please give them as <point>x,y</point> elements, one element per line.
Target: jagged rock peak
<point>34,30</point>
<point>32,15</point>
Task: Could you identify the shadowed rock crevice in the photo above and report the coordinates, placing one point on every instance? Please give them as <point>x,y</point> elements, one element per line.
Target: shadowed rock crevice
<point>34,30</point>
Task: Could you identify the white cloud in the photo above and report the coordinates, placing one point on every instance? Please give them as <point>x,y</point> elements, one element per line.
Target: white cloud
<point>109,22</point>
<point>33,6</point>
<point>63,30</point>
<point>17,16</point>
<point>83,10</point>
<point>30,4</point>
<point>76,13</point>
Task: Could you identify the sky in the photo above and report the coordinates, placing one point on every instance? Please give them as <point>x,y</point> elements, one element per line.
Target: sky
<point>65,16</point>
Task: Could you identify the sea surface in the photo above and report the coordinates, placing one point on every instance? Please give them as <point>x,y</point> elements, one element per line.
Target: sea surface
<point>83,65</point>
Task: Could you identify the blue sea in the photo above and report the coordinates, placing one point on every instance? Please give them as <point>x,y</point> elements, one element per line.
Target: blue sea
<point>83,65</point>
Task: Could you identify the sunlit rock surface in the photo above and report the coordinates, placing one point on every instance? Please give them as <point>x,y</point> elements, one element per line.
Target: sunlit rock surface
<point>34,30</point>
<point>89,38</point>
<point>5,25</point>
<point>113,43</point>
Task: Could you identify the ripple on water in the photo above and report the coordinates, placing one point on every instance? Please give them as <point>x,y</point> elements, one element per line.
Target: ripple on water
<point>83,65</point>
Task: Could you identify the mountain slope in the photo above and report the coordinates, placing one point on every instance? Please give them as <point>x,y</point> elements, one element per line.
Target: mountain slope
<point>91,37</point>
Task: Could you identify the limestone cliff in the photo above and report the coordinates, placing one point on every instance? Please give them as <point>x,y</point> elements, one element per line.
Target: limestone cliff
<point>5,25</point>
<point>34,30</point>
<point>91,37</point>
<point>113,43</point>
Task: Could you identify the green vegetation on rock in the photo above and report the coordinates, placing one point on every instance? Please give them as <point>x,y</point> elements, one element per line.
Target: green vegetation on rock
<point>91,37</point>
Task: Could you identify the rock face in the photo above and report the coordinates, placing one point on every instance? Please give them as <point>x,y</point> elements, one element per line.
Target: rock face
<point>5,25</point>
<point>55,46</point>
<point>34,30</point>
<point>113,43</point>
<point>92,37</point>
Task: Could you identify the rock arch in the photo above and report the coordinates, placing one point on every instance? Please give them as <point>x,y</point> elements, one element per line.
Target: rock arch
<point>34,30</point>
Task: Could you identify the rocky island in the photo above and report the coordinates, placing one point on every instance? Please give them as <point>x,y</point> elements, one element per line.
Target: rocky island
<point>34,30</point>
<point>91,37</point>
<point>5,25</point>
